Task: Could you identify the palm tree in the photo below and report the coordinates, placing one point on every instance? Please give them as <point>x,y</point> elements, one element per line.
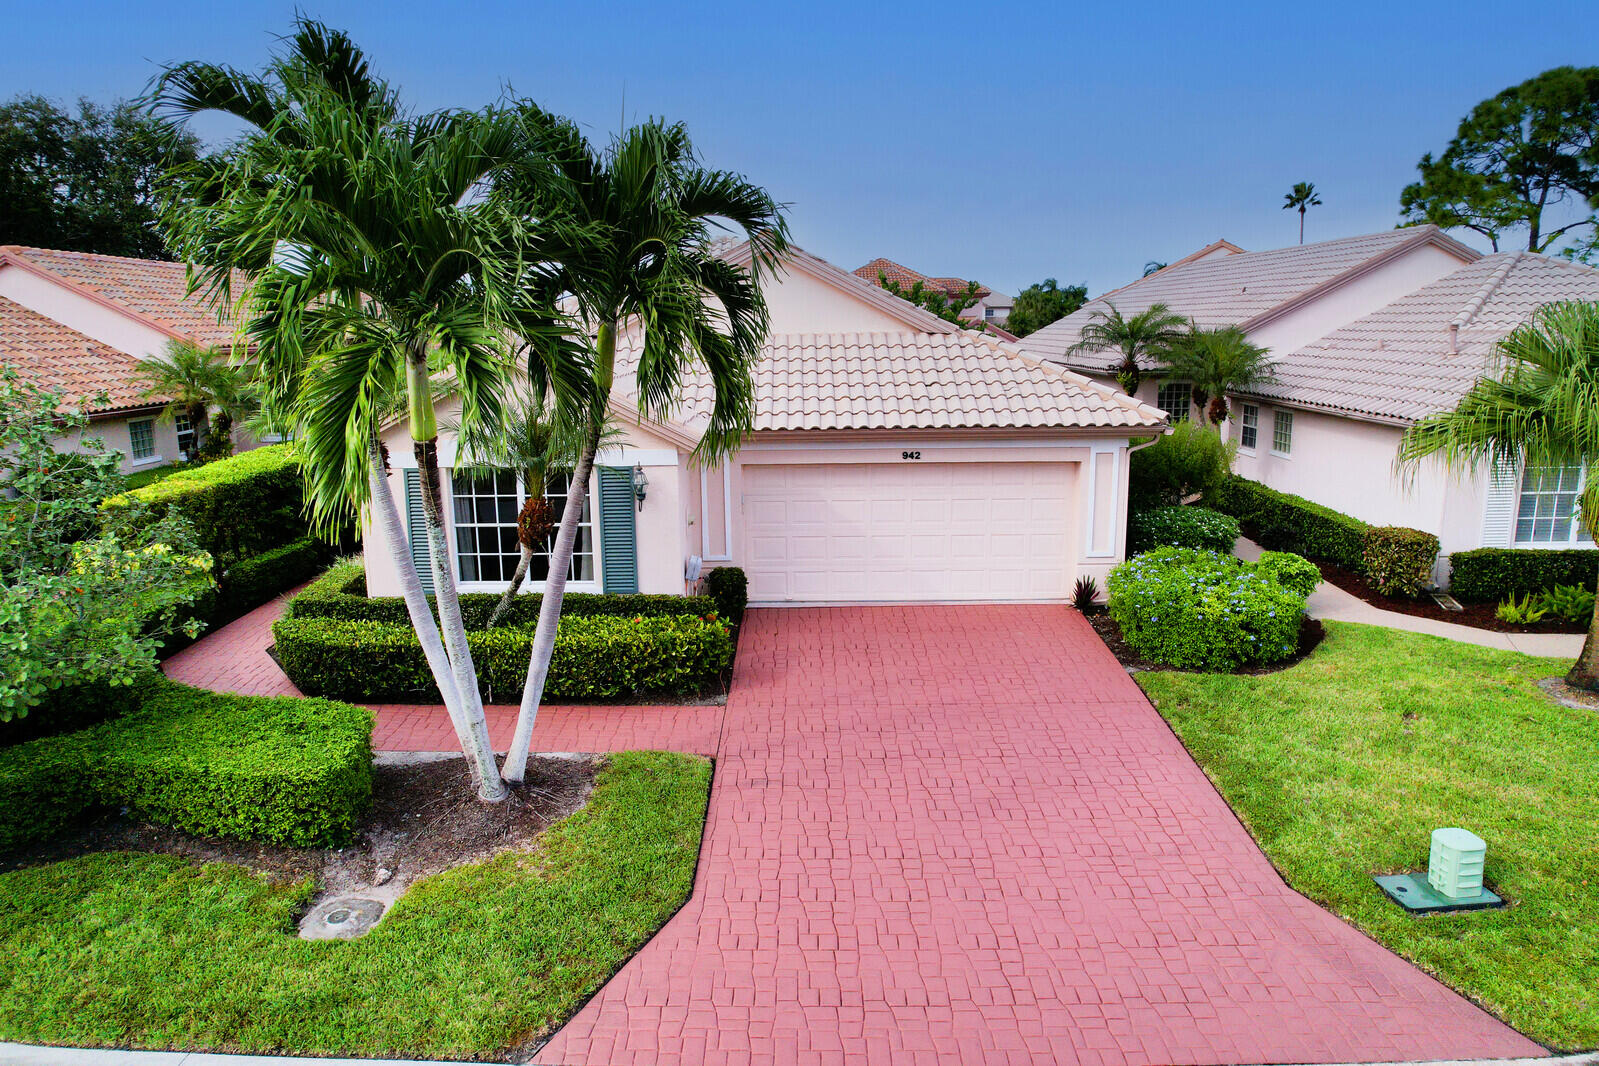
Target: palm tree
<point>373,265</point>
<point>1218,361</point>
<point>1147,335</point>
<point>1302,196</point>
<point>193,379</point>
<point>1541,410</point>
<point>651,268</point>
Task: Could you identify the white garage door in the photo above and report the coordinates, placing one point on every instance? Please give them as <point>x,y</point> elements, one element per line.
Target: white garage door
<point>917,531</point>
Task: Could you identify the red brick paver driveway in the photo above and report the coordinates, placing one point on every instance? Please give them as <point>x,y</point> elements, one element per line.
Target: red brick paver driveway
<point>961,835</point>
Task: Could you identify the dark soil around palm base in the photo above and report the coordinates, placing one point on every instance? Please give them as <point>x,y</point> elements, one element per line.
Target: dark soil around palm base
<point>1476,615</point>
<point>1311,633</point>
<point>425,817</point>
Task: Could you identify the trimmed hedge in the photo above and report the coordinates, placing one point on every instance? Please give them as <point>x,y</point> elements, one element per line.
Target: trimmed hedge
<point>1182,527</point>
<point>251,582</point>
<point>239,507</point>
<point>1398,561</point>
<point>1285,522</point>
<point>1488,575</point>
<point>1293,572</point>
<point>283,770</point>
<point>730,588</point>
<point>1200,610</point>
<point>341,594</point>
<point>596,657</point>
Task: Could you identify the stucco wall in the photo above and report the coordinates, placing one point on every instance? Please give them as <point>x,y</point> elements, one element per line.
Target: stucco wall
<point>78,312</point>
<point>802,304</point>
<point>115,434</point>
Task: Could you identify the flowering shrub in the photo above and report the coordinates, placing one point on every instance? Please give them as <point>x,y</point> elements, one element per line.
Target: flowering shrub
<point>1182,527</point>
<point>1292,571</point>
<point>1201,610</point>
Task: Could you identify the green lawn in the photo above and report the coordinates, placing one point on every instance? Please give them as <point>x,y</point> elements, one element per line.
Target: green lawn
<point>140,478</point>
<point>154,952</point>
<point>1342,765</point>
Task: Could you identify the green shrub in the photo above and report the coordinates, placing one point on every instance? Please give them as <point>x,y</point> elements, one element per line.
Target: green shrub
<point>1398,561</point>
<point>1182,527</point>
<point>69,709</point>
<point>242,506</point>
<point>251,582</point>
<point>730,588</point>
<point>1293,572</point>
<point>596,657</point>
<point>1571,602</point>
<point>1521,612</point>
<point>282,770</point>
<point>1284,522</point>
<point>1191,459</point>
<point>341,593</point>
<point>1201,610</point>
<point>1487,575</point>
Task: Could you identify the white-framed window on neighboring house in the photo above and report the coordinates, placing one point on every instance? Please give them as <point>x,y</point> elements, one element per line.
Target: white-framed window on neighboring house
<point>141,439</point>
<point>185,434</point>
<point>1248,426</point>
<point>988,312</point>
<point>1546,512</point>
<point>1282,432</point>
<point>486,546</point>
<point>1176,398</point>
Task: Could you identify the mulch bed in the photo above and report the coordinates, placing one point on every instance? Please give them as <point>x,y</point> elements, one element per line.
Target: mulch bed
<point>425,817</point>
<point>1476,615</point>
<point>1311,633</point>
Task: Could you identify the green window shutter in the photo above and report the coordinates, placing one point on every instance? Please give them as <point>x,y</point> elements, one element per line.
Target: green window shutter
<point>618,530</point>
<point>417,530</point>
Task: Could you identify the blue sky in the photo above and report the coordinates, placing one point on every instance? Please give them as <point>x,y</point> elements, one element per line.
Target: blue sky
<point>1004,143</point>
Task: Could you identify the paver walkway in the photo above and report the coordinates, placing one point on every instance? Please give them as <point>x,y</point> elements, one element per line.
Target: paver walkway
<point>961,835</point>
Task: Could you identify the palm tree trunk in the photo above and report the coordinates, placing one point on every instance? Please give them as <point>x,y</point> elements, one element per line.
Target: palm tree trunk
<point>1584,673</point>
<point>1301,225</point>
<point>386,516</point>
<point>517,578</point>
<point>424,440</point>
<point>538,666</point>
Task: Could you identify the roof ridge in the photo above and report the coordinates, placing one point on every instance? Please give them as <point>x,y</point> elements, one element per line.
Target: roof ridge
<point>1486,290</point>
<point>23,248</point>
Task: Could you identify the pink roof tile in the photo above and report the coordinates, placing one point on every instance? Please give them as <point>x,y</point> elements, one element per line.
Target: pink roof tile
<point>50,355</point>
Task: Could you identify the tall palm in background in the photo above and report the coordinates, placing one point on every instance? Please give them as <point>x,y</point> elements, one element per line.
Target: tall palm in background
<point>1540,411</point>
<point>1145,336</point>
<point>651,206</point>
<point>373,263</point>
<point>194,379</point>
<point>1218,361</point>
<point>1301,197</point>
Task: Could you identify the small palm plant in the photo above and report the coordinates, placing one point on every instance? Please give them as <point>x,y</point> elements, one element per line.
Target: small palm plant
<point>1540,410</point>
<point>1301,197</point>
<point>1145,336</point>
<point>1218,361</point>
<point>193,379</point>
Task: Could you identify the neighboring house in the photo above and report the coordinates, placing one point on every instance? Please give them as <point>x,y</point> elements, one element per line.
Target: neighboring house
<point>991,307</point>
<point>1369,334</point>
<point>79,323</point>
<point>895,457</point>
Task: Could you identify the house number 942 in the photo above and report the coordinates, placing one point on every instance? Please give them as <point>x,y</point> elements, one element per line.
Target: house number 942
<point>910,455</point>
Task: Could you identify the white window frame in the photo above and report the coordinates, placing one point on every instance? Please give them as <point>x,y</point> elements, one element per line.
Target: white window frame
<point>1248,423</point>
<point>530,585</point>
<point>180,424</point>
<point>1187,411</point>
<point>1576,537</point>
<point>1282,424</point>
<point>134,458</point>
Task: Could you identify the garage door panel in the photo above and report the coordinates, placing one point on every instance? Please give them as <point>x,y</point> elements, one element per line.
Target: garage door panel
<point>932,531</point>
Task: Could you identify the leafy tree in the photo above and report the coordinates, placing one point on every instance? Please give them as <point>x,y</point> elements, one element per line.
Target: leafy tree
<point>84,182</point>
<point>1540,410</point>
<point>374,270</point>
<point>78,603</point>
<point>1218,361</point>
<point>194,379</point>
<point>1528,149</point>
<point>1190,460</point>
<point>1301,197</point>
<point>1154,266</point>
<point>1045,302</point>
<point>1146,336</point>
<point>645,208</point>
<point>945,305</point>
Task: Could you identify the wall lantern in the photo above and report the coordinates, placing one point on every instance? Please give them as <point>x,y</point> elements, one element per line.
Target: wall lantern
<point>641,484</point>
<point>1453,881</point>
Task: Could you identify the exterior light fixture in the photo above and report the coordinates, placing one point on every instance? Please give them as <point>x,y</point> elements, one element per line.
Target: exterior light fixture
<point>641,484</point>
<point>1453,881</point>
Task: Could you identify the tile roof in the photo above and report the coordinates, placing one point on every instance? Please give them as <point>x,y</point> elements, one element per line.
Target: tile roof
<point>1231,290</point>
<point>151,289</point>
<point>1397,363</point>
<point>843,381</point>
<point>49,354</point>
<point>905,277</point>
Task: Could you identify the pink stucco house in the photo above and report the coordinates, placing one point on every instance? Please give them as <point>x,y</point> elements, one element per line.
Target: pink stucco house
<point>1369,334</point>
<point>78,323</point>
<point>896,457</point>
